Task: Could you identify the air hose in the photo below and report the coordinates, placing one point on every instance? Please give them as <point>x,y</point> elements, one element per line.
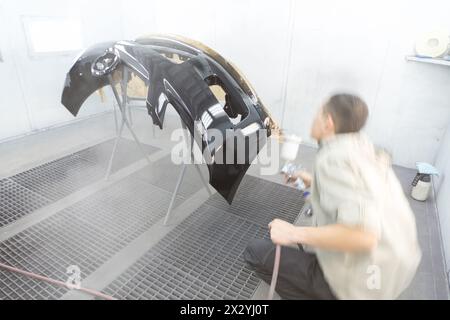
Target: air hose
<point>276,267</point>
<point>55,282</point>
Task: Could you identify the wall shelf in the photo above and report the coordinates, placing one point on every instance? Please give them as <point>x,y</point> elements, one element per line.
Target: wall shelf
<point>429,60</point>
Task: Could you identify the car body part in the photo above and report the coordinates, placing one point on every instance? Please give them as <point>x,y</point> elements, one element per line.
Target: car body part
<point>179,72</point>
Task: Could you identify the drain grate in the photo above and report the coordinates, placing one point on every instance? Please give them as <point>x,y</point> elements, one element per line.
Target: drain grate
<point>200,259</point>
<point>164,174</point>
<point>62,177</point>
<point>261,201</point>
<point>17,201</point>
<point>86,234</point>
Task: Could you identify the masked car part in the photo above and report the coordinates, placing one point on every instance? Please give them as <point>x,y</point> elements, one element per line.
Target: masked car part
<point>231,135</point>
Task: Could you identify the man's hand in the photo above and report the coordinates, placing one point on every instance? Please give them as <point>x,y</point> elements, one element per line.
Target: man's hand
<point>335,237</point>
<point>282,232</point>
<point>305,176</point>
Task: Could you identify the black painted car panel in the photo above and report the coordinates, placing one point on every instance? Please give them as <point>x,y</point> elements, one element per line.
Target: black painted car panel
<point>185,85</point>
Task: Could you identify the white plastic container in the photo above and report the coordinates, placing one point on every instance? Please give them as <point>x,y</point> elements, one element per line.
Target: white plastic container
<point>421,190</point>
<point>421,184</point>
<point>291,145</point>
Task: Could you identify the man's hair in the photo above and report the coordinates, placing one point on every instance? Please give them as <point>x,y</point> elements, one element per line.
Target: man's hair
<point>349,112</point>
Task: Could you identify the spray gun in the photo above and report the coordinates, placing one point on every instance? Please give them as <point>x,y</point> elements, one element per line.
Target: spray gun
<point>289,151</point>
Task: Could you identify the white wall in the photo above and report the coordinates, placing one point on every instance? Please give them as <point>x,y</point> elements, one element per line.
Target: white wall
<point>360,46</point>
<point>295,53</point>
<point>14,118</point>
<point>31,86</point>
<point>442,188</point>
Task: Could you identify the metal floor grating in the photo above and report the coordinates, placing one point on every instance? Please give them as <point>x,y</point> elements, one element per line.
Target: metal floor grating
<point>48,248</point>
<point>17,201</point>
<point>124,210</point>
<point>200,259</point>
<point>86,234</point>
<point>62,177</point>
<point>261,201</point>
<point>127,153</point>
<point>164,174</point>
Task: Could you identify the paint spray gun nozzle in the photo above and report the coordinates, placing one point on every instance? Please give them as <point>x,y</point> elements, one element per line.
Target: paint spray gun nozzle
<point>289,169</point>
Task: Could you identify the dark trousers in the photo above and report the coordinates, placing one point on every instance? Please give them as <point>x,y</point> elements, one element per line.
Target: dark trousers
<point>299,276</point>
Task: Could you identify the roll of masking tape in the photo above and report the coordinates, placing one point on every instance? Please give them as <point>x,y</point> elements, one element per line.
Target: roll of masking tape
<point>433,44</point>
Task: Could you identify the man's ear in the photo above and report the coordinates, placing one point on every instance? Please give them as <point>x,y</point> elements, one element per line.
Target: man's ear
<point>329,123</point>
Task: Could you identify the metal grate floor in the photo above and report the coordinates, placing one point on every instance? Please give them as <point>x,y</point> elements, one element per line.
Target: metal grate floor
<point>124,210</point>
<point>86,234</point>
<point>60,178</point>
<point>200,259</point>
<point>127,153</point>
<point>164,174</point>
<point>17,201</point>
<point>260,201</point>
<point>49,248</point>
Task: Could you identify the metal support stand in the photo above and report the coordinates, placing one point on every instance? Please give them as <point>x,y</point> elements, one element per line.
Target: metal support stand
<point>131,98</point>
<point>122,104</point>
<point>181,176</point>
<point>116,120</point>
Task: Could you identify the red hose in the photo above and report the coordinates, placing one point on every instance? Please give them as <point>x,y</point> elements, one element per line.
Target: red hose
<point>276,267</point>
<point>55,282</point>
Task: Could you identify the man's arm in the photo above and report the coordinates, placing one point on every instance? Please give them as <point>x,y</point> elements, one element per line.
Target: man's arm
<point>336,237</point>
